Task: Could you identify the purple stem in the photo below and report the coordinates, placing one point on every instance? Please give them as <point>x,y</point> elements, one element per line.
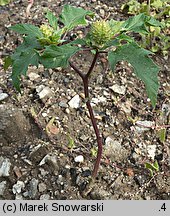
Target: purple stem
<point>85,78</point>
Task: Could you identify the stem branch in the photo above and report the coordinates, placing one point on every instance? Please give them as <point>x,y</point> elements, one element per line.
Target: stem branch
<point>85,78</point>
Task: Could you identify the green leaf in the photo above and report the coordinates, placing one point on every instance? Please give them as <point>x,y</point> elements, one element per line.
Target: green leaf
<point>71,143</point>
<point>152,167</point>
<point>73,16</point>
<point>4,2</point>
<point>144,68</point>
<point>115,25</point>
<point>153,22</point>
<point>27,29</point>
<point>7,62</point>
<point>80,41</point>
<point>20,65</point>
<point>136,24</point>
<point>162,135</point>
<point>57,56</point>
<point>52,19</point>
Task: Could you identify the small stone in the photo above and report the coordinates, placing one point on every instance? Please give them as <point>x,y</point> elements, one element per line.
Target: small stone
<point>74,102</point>
<point>4,166</point>
<point>44,114</point>
<point>3,96</point>
<point>118,89</point>
<point>86,173</point>
<point>2,187</point>
<point>17,172</point>
<point>166,109</point>
<point>110,142</point>
<point>102,12</point>
<point>42,187</point>
<point>63,104</point>
<point>18,197</point>
<point>45,93</point>
<point>17,188</point>
<point>33,188</point>
<point>151,149</point>
<point>67,111</point>
<point>45,197</point>
<point>33,76</point>
<point>142,126</point>
<point>114,149</point>
<point>84,137</point>
<point>52,161</point>
<point>79,159</point>
<point>39,88</point>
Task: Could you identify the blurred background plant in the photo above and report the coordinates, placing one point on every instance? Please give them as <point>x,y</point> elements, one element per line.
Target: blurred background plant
<point>4,2</point>
<point>159,38</point>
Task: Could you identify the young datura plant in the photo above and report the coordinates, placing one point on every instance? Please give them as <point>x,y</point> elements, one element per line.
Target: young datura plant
<point>48,45</point>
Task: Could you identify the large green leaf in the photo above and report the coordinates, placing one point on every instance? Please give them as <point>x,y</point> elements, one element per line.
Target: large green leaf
<point>57,56</point>
<point>27,29</point>
<point>28,43</point>
<point>136,24</point>
<point>144,68</point>
<point>73,16</point>
<point>20,65</point>
<point>52,19</point>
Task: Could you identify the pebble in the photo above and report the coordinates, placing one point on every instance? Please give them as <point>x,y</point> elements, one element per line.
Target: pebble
<point>3,96</point>
<point>2,187</point>
<point>142,126</point>
<point>33,76</point>
<point>63,104</point>
<point>111,143</point>
<point>18,197</point>
<point>151,149</point>
<point>79,159</point>
<point>118,89</point>
<point>52,160</point>
<point>114,150</point>
<point>84,137</point>
<point>45,197</point>
<point>166,109</point>
<point>102,12</point>
<point>4,166</point>
<point>45,93</point>
<point>42,187</point>
<point>33,188</point>
<point>74,102</point>
<point>17,188</point>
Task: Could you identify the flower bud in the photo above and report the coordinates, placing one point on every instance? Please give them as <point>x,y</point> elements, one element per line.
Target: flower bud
<point>100,33</point>
<point>46,30</point>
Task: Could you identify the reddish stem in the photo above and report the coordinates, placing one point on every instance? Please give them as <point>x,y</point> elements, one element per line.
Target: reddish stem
<point>85,78</point>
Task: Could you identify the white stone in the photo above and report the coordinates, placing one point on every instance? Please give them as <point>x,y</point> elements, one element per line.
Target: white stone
<point>110,143</point>
<point>33,76</point>
<point>17,188</point>
<point>79,159</point>
<point>74,102</point>
<point>42,187</point>
<point>142,126</point>
<point>4,166</point>
<point>45,197</point>
<point>2,187</point>
<point>46,92</point>
<point>151,149</point>
<point>118,89</point>
<point>3,96</point>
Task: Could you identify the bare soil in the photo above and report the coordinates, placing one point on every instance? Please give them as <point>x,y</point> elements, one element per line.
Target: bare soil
<point>34,132</point>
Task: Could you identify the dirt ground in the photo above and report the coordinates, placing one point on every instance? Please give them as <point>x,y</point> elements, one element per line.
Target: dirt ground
<point>36,132</point>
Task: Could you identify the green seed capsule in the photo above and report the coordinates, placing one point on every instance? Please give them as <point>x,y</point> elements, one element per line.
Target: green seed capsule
<point>46,30</point>
<point>100,33</point>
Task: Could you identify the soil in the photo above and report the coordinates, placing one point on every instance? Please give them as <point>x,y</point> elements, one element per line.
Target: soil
<point>42,137</point>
